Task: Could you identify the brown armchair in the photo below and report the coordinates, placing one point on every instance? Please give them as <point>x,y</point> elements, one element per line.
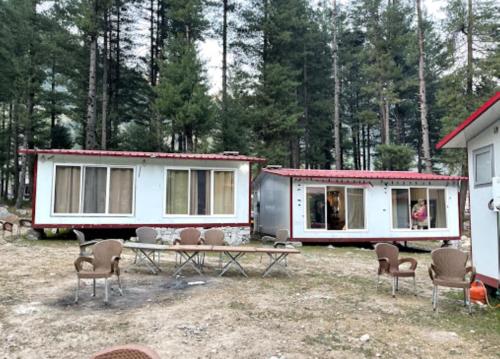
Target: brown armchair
<point>449,269</point>
<point>106,256</point>
<point>389,262</point>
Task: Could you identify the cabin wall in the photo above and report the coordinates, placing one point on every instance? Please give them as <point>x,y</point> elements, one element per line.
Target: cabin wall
<point>149,192</point>
<point>273,194</point>
<point>484,222</point>
<point>378,216</point>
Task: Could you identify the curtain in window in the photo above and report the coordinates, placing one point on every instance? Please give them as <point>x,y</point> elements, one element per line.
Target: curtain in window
<point>200,192</point>
<point>355,208</point>
<point>315,198</point>
<point>121,190</point>
<point>400,210</point>
<point>437,208</point>
<point>67,189</point>
<point>94,198</point>
<point>177,192</point>
<point>223,192</point>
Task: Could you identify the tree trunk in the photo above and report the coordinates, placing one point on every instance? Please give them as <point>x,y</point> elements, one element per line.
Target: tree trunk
<point>152,44</point>
<point>470,68</point>
<point>224,59</point>
<point>52,101</point>
<point>336,110</point>
<point>90,130</point>
<point>105,83</point>
<point>426,147</point>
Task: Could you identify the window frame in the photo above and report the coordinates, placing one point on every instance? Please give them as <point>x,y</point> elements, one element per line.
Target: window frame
<point>408,188</point>
<point>345,187</point>
<point>81,193</point>
<point>212,193</point>
<point>479,151</point>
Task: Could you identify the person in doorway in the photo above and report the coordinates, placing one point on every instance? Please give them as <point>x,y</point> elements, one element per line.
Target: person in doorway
<point>419,215</point>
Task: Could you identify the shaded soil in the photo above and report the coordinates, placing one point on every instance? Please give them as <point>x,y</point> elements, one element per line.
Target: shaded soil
<point>322,311</point>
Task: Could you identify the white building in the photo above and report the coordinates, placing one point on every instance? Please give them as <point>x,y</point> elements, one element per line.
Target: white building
<point>480,135</point>
<point>89,189</point>
<point>357,206</point>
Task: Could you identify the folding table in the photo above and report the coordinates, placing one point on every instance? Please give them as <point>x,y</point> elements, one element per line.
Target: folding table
<point>146,249</point>
<point>277,257</point>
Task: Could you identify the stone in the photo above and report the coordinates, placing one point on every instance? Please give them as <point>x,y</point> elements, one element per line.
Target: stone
<point>33,235</point>
<point>330,247</point>
<point>364,338</point>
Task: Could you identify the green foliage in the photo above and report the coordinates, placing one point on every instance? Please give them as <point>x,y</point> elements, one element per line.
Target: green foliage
<point>394,157</point>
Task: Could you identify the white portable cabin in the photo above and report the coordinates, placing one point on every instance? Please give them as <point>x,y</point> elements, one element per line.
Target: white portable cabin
<point>91,189</point>
<point>332,206</point>
<point>479,133</point>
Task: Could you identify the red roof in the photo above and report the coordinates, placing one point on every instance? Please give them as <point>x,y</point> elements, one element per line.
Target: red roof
<point>181,156</point>
<point>371,175</point>
<point>477,114</point>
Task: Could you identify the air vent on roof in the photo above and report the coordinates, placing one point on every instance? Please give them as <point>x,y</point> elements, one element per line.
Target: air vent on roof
<point>230,153</point>
<point>274,167</point>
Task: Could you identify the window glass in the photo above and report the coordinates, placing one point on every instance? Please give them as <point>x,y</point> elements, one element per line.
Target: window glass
<point>94,197</point>
<point>484,166</point>
<point>223,192</point>
<point>177,192</point>
<point>355,208</point>
<point>67,189</point>
<point>419,208</point>
<point>315,211</point>
<point>437,208</point>
<point>200,192</point>
<point>121,192</point>
<point>335,208</point>
<point>400,210</point>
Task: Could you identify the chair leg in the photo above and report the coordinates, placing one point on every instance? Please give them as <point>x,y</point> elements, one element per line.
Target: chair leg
<point>77,290</point>
<point>106,290</point>
<point>468,299</point>
<point>394,287</point>
<point>465,297</point>
<point>378,281</point>
<point>436,297</point>
<point>93,292</point>
<point>120,285</point>
<point>397,284</point>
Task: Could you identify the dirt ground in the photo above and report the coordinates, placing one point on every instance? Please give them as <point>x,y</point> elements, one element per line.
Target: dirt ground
<point>329,308</point>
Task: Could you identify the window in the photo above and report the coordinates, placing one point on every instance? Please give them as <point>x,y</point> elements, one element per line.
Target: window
<point>483,166</point>
<point>315,207</point>
<point>199,192</point>
<point>335,208</point>
<point>67,189</point>
<point>104,190</point>
<point>418,208</point>
<point>223,192</point>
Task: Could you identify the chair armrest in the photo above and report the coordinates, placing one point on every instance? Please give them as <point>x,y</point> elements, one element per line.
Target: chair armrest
<point>383,259</point>
<point>201,241</point>
<point>413,262</point>
<point>432,272</point>
<point>176,241</point>
<point>472,271</point>
<point>80,260</point>
<point>268,239</point>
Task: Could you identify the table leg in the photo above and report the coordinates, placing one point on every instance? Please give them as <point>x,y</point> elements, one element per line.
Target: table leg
<point>152,265</point>
<point>189,259</point>
<point>233,260</point>
<point>276,260</point>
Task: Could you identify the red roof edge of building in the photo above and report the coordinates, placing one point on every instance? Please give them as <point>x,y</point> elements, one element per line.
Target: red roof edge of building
<point>358,174</point>
<point>468,121</point>
<point>134,154</point>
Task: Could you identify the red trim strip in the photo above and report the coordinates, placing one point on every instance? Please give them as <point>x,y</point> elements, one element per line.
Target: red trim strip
<point>373,239</point>
<point>164,225</point>
<point>468,121</point>
<point>291,208</point>
<point>492,282</point>
<point>33,195</point>
<point>130,154</point>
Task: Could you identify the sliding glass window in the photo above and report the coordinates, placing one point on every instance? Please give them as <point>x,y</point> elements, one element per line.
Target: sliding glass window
<point>335,208</point>
<point>200,192</point>
<point>67,189</point>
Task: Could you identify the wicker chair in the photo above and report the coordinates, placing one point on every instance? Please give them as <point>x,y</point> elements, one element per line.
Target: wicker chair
<point>106,255</point>
<point>131,351</point>
<point>7,227</point>
<point>189,236</point>
<point>449,269</point>
<point>83,243</point>
<point>280,240</point>
<point>147,235</point>
<point>389,262</point>
<point>214,237</point>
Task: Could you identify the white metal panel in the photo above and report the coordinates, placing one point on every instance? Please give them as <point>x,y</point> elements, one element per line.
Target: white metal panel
<point>484,225</point>
<point>149,191</point>
<point>274,205</point>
